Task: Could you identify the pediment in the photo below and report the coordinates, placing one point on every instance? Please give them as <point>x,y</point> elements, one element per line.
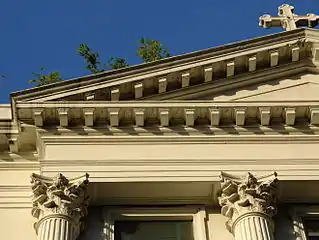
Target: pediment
<point>194,75</point>
<point>303,87</point>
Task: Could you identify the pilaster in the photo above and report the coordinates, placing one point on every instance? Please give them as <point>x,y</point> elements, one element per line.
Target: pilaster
<point>249,203</point>
<point>60,205</point>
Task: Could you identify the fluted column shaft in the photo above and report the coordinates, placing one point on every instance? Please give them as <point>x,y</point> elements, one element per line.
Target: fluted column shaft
<point>254,227</point>
<point>56,228</point>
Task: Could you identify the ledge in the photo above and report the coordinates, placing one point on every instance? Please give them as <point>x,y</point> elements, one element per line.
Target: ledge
<point>168,113</point>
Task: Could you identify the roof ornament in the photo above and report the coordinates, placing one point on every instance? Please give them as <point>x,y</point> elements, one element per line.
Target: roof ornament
<point>288,20</point>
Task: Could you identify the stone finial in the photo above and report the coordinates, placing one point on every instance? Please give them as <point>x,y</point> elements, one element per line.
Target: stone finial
<point>59,196</point>
<point>242,196</point>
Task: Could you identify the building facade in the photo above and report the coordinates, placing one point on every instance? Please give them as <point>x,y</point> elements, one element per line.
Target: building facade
<point>216,144</point>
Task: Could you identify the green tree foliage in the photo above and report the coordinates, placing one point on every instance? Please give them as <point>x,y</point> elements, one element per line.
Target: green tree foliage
<point>91,58</point>
<point>117,63</point>
<point>94,64</point>
<point>151,50</point>
<point>42,79</point>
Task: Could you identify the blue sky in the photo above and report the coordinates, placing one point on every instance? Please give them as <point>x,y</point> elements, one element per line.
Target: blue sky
<point>47,33</point>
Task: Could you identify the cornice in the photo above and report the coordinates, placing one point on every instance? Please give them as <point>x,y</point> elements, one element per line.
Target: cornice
<point>140,68</point>
<point>220,60</point>
<point>160,104</point>
<point>157,140</point>
<point>169,113</point>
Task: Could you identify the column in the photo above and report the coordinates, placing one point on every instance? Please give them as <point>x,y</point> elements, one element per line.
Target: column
<point>249,203</point>
<point>60,205</point>
<point>254,227</point>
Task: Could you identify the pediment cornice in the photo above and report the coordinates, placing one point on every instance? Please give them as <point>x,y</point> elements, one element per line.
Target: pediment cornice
<point>185,73</point>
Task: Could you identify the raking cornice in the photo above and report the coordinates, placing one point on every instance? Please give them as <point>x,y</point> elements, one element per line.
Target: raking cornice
<point>183,71</point>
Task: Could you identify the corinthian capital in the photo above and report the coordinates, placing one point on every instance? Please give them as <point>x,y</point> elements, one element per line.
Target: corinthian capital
<point>247,195</point>
<point>59,196</point>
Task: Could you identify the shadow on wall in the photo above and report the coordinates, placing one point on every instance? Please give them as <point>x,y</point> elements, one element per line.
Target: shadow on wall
<point>283,223</point>
<point>94,225</point>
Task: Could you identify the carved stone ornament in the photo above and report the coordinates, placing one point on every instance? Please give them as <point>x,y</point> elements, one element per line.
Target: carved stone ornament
<point>245,196</point>
<point>59,196</point>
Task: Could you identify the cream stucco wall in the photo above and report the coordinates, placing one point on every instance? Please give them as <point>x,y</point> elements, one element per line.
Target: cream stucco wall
<point>216,226</point>
<point>16,221</point>
<point>17,224</point>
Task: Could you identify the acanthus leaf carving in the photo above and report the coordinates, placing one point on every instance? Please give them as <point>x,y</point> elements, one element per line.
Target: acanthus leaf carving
<point>240,196</point>
<point>59,195</point>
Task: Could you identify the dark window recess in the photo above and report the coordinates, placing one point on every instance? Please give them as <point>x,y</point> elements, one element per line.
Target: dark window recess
<point>312,228</point>
<point>153,230</point>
